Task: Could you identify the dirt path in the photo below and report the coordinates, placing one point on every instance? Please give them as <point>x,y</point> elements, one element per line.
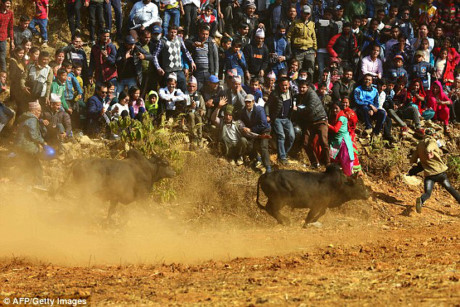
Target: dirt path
<point>407,260</point>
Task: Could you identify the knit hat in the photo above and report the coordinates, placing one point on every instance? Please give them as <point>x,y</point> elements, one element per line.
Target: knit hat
<point>55,98</point>
<point>260,33</point>
<point>228,109</point>
<point>34,105</point>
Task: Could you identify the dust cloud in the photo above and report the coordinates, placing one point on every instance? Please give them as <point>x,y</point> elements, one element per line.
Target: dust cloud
<point>36,227</point>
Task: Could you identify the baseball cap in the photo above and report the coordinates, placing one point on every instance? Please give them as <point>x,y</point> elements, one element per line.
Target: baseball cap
<point>213,79</point>
<point>419,52</point>
<point>398,56</point>
<point>156,29</point>
<point>130,40</point>
<point>338,7</point>
<point>249,97</point>
<point>306,9</point>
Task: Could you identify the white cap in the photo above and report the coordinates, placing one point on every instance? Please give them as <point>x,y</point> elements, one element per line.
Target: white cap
<point>34,105</point>
<point>237,79</point>
<point>260,33</point>
<point>271,75</point>
<point>55,98</point>
<point>192,80</point>
<point>172,76</point>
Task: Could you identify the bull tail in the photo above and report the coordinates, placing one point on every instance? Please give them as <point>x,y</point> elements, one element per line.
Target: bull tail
<point>257,200</point>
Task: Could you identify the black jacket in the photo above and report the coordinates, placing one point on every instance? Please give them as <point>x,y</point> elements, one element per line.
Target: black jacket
<point>123,64</point>
<point>314,109</point>
<point>275,104</point>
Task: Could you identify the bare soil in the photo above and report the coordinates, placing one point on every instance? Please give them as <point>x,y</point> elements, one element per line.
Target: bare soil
<point>212,246</point>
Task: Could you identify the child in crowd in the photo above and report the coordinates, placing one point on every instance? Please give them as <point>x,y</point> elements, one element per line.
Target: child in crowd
<point>136,103</point>
<point>41,20</point>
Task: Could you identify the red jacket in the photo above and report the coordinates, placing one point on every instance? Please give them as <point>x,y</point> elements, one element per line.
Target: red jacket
<point>339,47</point>
<point>6,25</point>
<point>453,58</point>
<point>104,69</point>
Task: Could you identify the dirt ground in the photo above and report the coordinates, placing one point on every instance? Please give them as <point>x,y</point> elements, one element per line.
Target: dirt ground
<point>212,246</point>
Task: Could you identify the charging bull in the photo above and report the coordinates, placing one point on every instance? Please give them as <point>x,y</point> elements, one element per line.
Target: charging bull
<point>317,191</point>
<point>119,181</point>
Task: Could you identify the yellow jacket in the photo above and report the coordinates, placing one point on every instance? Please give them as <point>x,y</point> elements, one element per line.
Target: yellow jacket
<point>301,35</point>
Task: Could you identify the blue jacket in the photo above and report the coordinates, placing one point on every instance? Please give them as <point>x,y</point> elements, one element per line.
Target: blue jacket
<point>232,61</point>
<point>365,97</point>
<point>72,86</point>
<point>94,107</point>
<point>258,120</point>
<point>395,73</point>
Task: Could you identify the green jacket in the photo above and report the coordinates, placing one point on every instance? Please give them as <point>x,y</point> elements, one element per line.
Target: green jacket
<point>302,36</point>
<point>29,136</point>
<point>59,89</point>
<point>433,166</point>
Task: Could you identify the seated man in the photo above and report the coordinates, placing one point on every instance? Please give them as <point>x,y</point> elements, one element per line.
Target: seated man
<point>256,131</point>
<point>171,97</point>
<point>366,98</point>
<point>96,111</point>
<point>230,133</point>
<point>56,121</point>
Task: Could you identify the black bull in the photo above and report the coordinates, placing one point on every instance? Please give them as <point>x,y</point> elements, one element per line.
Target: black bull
<point>119,181</point>
<point>317,191</point>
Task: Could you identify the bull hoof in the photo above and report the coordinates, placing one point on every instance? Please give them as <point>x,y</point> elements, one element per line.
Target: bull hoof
<point>315,224</point>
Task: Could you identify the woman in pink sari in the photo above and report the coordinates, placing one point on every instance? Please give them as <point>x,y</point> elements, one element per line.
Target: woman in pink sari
<point>440,102</point>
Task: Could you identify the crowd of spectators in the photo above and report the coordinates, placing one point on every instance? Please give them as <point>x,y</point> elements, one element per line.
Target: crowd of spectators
<point>239,72</point>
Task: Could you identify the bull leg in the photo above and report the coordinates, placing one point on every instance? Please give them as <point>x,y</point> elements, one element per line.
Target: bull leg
<point>314,215</point>
<point>274,210</point>
<point>320,214</point>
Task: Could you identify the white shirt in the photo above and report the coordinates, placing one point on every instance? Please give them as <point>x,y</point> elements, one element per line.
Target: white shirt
<point>120,107</point>
<point>144,14</point>
<point>171,98</point>
<point>382,98</point>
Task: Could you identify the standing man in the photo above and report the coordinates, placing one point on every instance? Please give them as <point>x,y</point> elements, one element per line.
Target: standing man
<point>102,65</point>
<point>256,55</point>
<point>96,16</point>
<point>147,45</point>
<point>73,8</point>
<point>169,53</point>
<point>6,30</point>
<point>75,54</point>
<point>256,130</point>
<point>315,117</point>
<point>280,104</point>
<point>129,64</point>
<point>116,4</point>
<point>302,37</point>
<point>205,55</point>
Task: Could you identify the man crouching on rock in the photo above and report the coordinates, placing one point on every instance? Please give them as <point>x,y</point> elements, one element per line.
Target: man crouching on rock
<point>435,170</point>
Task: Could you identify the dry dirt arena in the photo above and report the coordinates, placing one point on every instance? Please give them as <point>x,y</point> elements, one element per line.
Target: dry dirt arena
<point>212,246</point>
